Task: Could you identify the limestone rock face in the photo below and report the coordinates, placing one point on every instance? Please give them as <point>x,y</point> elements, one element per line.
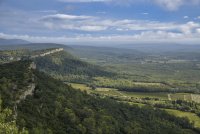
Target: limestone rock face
<point>32,66</point>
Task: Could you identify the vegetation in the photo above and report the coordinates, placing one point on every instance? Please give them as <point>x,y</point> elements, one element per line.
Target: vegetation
<point>64,66</point>
<point>15,79</point>
<point>58,108</point>
<point>7,125</point>
<point>191,116</point>
<point>159,100</point>
<point>171,71</point>
<point>118,97</point>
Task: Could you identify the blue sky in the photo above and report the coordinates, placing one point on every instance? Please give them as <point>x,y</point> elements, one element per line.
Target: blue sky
<point>101,21</point>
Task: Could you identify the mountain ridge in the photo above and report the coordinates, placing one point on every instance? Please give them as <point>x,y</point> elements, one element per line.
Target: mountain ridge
<point>4,41</point>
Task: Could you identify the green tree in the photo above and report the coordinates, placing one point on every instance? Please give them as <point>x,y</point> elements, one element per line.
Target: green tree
<point>6,126</point>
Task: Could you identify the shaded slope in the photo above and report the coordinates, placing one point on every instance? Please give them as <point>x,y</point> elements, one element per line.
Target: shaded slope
<point>64,66</point>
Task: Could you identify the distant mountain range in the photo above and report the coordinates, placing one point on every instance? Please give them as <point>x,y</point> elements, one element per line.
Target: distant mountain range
<point>7,44</point>
<point>12,41</point>
<point>10,44</point>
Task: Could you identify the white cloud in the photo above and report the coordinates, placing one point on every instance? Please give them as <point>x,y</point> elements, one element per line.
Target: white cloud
<point>185,17</point>
<point>189,27</point>
<point>95,24</point>
<point>88,28</point>
<point>65,17</point>
<point>72,22</point>
<point>145,13</point>
<point>170,4</point>
<point>92,28</point>
<point>144,37</point>
<point>198,30</point>
<point>102,29</point>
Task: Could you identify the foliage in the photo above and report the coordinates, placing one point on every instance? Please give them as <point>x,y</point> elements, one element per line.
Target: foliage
<point>15,77</point>
<point>7,126</point>
<point>58,108</point>
<point>65,67</point>
<point>176,71</point>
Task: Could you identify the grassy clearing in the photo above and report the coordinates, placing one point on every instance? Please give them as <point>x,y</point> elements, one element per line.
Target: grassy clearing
<point>144,95</point>
<point>105,89</point>
<point>147,84</point>
<point>82,87</point>
<point>191,116</point>
<point>110,93</point>
<point>177,96</point>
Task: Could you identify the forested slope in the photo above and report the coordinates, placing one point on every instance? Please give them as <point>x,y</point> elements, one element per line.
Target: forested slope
<point>57,108</point>
<point>66,67</point>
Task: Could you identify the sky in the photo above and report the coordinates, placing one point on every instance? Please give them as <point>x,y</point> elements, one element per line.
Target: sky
<point>101,21</point>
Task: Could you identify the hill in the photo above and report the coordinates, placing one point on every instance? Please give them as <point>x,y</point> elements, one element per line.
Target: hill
<point>59,64</point>
<point>66,67</point>
<point>12,41</point>
<point>33,46</point>
<point>55,107</point>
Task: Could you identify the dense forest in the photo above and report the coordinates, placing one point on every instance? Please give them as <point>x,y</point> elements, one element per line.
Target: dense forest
<point>66,67</point>
<point>14,80</point>
<point>58,108</point>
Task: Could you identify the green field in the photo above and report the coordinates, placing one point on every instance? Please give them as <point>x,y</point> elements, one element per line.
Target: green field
<point>143,95</point>
<point>191,116</point>
<point>113,91</point>
<point>82,87</point>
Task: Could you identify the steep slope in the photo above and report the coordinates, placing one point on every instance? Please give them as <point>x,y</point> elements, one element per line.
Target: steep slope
<point>56,62</point>
<point>66,67</point>
<point>15,78</point>
<point>57,108</point>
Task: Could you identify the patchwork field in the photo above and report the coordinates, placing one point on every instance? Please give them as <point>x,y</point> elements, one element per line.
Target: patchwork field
<point>161,96</point>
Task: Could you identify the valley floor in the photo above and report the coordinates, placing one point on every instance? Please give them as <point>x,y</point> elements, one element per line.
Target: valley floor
<point>142,99</point>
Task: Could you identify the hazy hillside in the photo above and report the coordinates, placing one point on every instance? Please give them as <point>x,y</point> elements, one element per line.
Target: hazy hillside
<point>33,46</point>
<point>161,47</point>
<point>12,42</point>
